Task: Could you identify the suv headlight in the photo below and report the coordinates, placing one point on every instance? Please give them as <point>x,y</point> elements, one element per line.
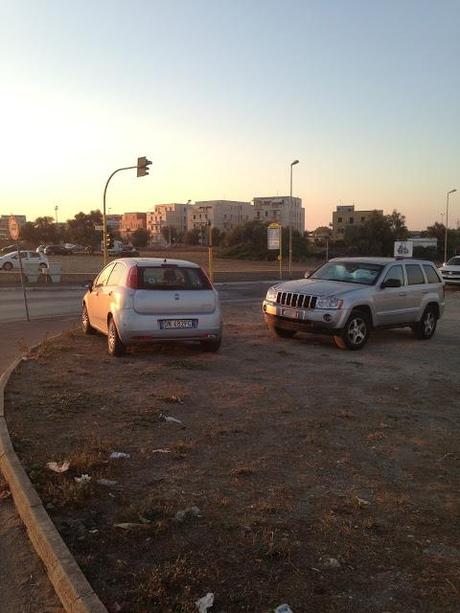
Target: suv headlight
<point>329,302</point>
<point>271,294</point>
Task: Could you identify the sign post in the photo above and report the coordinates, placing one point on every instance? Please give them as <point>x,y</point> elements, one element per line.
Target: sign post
<point>274,238</point>
<point>13,228</point>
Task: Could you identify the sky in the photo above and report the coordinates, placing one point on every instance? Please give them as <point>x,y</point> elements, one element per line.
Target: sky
<point>222,95</point>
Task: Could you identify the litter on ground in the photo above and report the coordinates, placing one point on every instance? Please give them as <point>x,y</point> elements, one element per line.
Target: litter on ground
<point>83,479</point>
<point>205,603</point>
<point>117,455</point>
<point>58,468</point>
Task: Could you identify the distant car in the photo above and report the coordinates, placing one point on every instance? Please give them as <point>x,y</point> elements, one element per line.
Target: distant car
<point>152,299</point>
<point>40,249</point>
<point>9,249</point>
<point>11,260</point>
<point>56,250</point>
<point>348,297</point>
<point>450,271</point>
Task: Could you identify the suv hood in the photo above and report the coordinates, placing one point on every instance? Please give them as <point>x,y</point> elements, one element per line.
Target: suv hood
<point>318,287</point>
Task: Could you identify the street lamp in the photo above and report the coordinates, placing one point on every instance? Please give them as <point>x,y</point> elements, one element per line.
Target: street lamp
<point>290,221</point>
<point>447,222</point>
<point>56,208</point>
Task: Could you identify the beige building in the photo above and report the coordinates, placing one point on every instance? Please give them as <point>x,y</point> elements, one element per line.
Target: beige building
<point>172,215</point>
<point>282,210</point>
<point>223,214</point>
<point>130,222</point>
<point>344,216</point>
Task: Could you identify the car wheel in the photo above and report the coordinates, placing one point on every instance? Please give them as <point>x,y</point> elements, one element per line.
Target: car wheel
<point>7,266</point>
<point>356,332</point>
<point>426,327</point>
<point>211,346</point>
<point>86,327</point>
<point>283,333</point>
<point>114,345</point>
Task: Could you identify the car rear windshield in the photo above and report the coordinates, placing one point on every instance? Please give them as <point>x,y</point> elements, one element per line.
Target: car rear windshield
<point>172,278</point>
<point>349,272</point>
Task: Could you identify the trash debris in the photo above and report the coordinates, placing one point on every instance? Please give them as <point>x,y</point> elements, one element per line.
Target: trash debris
<point>190,512</point>
<point>83,479</point>
<point>117,455</point>
<point>130,525</point>
<point>170,419</point>
<point>106,482</point>
<point>58,468</point>
<point>362,502</point>
<point>175,399</point>
<point>93,531</point>
<point>205,603</point>
<point>284,608</point>
<point>330,562</point>
<point>161,451</point>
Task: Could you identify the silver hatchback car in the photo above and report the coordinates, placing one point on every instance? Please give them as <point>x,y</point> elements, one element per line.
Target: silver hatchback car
<point>348,297</point>
<point>136,300</point>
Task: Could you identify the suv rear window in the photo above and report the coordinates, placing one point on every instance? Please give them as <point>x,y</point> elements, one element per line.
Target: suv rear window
<point>431,274</point>
<point>172,278</point>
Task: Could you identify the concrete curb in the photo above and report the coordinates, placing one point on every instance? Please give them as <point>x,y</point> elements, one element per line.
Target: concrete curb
<point>71,586</point>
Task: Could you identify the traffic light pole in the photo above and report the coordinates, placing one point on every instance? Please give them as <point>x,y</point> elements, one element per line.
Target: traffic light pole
<point>104,212</point>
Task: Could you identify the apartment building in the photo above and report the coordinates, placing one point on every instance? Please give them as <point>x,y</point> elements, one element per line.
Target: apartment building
<point>172,215</point>
<point>4,219</point>
<point>282,210</point>
<point>114,222</point>
<point>344,216</point>
<point>223,214</point>
<point>130,222</point>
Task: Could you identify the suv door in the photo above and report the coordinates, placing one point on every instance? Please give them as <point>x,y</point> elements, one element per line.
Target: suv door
<point>416,288</point>
<point>391,306</point>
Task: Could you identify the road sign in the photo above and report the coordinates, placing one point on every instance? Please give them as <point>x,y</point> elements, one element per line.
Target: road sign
<point>99,228</point>
<point>403,249</point>
<point>274,237</point>
<point>13,228</point>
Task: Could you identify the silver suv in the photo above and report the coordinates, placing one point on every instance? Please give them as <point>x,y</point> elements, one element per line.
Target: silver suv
<point>347,297</point>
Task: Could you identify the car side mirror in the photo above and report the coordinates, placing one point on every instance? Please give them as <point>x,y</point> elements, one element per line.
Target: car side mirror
<point>391,283</point>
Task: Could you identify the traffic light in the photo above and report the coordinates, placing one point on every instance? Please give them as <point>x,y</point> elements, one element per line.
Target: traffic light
<point>108,241</point>
<point>143,166</point>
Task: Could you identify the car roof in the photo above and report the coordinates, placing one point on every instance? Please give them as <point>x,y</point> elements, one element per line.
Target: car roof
<point>382,261</point>
<point>157,262</point>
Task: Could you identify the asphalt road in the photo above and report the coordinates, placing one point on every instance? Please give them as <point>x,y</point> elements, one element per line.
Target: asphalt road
<point>65,301</point>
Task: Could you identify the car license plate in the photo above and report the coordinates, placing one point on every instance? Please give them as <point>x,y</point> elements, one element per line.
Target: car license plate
<point>291,313</point>
<point>174,324</point>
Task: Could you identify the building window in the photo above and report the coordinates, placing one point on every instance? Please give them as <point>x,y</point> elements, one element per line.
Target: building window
<point>352,220</point>
<point>339,219</point>
<point>363,219</point>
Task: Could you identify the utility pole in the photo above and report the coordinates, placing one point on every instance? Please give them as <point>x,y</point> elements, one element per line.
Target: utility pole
<point>56,208</point>
<point>290,222</point>
<point>447,222</point>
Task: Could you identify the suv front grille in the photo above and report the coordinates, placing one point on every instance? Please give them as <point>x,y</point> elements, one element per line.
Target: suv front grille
<point>300,301</point>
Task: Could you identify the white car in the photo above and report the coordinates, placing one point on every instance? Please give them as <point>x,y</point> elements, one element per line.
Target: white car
<point>136,300</point>
<point>450,271</point>
<point>11,260</point>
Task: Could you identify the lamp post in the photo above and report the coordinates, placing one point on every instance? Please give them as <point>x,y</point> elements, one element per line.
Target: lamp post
<point>447,222</point>
<point>290,221</point>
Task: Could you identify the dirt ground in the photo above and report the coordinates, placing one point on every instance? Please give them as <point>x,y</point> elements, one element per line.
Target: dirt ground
<point>325,479</point>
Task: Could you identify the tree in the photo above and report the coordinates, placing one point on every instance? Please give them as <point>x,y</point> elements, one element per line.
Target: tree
<point>46,230</point>
<point>140,238</point>
<point>192,237</point>
<point>81,229</point>
<point>376,236</point>
<point>170,233</point>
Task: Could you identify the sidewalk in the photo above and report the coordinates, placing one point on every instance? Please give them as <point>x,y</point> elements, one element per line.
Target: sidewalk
<point>24,586</point>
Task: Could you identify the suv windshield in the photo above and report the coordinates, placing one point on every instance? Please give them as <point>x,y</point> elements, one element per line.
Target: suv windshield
<point>349,272</point>
<point>454,261</point>
<point>172,278</point>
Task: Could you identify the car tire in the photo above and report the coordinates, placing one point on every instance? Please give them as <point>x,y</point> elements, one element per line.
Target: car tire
<point>283,333</point>
<point>7,266</point>
<point>211,346</point>
<point>356,332</point>
<point>86,327</point>
<point>115,347</point>
<point>426,327</point>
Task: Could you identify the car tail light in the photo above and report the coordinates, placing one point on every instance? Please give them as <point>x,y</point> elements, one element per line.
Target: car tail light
<point>133,278</point>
